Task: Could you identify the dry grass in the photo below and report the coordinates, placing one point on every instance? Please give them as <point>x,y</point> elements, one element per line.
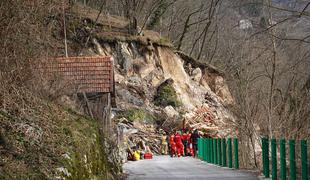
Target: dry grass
<point>38,135</point>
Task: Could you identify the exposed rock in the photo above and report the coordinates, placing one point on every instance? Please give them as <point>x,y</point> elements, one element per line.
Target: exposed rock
<point>145,69</point>
<point>124,57</point>
<point>221,89</point>
<point>126,130</point>
<point>98,47</point>
<point>171,112</point>
<point>118,77</point>
<point>135,80</point>
<point>125,95</point>
<point>173,68</point>
<point>196,74</point>
<point>155,77</point>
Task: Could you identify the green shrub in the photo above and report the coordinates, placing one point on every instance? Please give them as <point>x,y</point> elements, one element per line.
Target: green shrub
<point>138,115</point>
<point>166,95</point>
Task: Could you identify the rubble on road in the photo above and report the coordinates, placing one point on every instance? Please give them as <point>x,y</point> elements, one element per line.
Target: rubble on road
<point>140,136</point>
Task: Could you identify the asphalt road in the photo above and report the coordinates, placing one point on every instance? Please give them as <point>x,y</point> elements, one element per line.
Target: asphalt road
<point>166,168</point>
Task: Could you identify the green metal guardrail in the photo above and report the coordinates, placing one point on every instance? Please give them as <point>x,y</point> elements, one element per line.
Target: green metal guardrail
<point>224,153</point>
<point>283,166</point>
<point>219,151</point>
<point>229,153</point>
<point>292,159</point>
<point>282,159</point>
<point>274,159</point>
<point>304,160</point>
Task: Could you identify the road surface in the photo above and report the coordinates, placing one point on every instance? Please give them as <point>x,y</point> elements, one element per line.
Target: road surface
<point>166,168</point>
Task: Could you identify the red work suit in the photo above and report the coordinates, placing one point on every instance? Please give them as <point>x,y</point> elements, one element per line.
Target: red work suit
<point>173,147</point>
<point>179,144</point>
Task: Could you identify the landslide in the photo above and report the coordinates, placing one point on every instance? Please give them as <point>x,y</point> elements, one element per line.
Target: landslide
<point>156,88</point>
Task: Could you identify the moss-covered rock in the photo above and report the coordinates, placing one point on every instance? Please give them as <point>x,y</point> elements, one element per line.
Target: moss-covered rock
<point>140,115</point>
<point>166,95</point>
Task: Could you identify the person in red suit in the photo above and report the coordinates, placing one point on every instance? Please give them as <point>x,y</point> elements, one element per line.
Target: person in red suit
<point>172,145</point>
<point>179,144</point>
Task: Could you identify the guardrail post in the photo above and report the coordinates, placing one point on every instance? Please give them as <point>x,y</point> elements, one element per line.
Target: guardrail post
<point>265,148</point>
<point>205,149</point>
<point>215,151</point>
<point>211,149</point>
<point>304,160</point>
<point>292,160</point>
<point>274,159</point>
<point>224,152</point>
<point>282,159</point>
<point>199,148</point>
<point>236,153</point>
<point>220,151</point>
<point>229,153</point>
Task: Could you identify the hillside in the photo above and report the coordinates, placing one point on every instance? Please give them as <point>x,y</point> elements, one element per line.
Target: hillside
<point>60,143</point>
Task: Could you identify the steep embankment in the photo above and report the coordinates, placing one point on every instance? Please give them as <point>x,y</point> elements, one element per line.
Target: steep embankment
<point>42,140</point>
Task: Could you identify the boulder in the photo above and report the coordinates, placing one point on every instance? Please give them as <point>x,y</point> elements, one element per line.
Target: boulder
<point>125,95</point>
<point>170,112</point>
<point>126,130</point>
<point>135,80</point>
<point>197,74</point>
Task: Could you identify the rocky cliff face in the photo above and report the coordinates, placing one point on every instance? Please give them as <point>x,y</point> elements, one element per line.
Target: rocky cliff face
<point>141,69</point>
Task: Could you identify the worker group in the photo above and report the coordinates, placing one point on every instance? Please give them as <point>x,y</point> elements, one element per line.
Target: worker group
<point>180,144</point>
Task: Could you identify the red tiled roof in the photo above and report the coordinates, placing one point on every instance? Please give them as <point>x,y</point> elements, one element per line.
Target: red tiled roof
<point>87,74</point>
